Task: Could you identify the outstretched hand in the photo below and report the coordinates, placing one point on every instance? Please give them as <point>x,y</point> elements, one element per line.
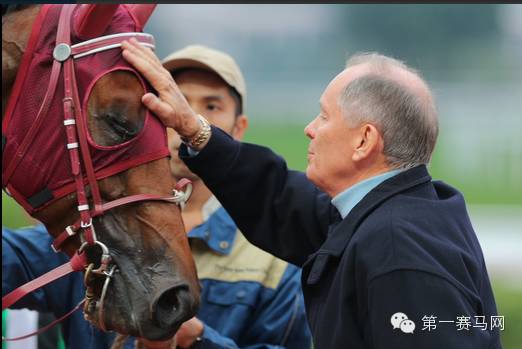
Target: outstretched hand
<point>188,333</point>
<point>170,106</point>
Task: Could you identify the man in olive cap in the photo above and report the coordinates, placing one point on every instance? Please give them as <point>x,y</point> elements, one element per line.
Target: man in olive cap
<point>249,297</point>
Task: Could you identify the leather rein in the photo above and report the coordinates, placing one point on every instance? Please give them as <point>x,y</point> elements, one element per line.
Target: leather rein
<point>64,55</point>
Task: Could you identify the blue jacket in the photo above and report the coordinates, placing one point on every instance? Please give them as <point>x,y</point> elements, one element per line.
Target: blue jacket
<point>249,299</point>
<point>405,255</point>
<point>27,254</point>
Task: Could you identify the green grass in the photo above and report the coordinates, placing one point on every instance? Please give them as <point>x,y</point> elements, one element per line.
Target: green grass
<point>13,215</point>
<point>509,305</point>
<point>287,140</point>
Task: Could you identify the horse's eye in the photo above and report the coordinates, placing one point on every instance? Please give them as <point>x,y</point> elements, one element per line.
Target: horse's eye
<point>124,128</point>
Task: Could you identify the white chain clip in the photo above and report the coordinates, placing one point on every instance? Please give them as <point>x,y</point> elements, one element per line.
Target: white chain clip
<point>181,197</point>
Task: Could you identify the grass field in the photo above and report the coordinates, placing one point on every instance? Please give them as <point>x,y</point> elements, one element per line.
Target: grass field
<point>290,142</point>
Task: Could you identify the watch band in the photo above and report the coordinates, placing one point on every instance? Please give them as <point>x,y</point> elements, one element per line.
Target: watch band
<point>202,135</point>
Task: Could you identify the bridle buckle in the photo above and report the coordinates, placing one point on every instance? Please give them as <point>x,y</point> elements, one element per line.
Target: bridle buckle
<point>86,225</point>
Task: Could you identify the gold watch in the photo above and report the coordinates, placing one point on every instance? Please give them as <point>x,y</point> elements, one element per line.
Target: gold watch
<point>201,137</point>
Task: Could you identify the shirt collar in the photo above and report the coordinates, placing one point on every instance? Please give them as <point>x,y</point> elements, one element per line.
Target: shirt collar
<point>218,230</point>
<point>347,199</point>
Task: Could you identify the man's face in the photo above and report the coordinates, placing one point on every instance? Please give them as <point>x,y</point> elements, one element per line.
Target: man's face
<point>332,140</point>
<point>209,96</point>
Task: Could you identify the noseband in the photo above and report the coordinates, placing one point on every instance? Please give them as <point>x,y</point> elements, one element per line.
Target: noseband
<point>64,55</point>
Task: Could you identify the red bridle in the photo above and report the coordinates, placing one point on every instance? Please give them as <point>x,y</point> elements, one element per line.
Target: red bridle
<point>82,167</point>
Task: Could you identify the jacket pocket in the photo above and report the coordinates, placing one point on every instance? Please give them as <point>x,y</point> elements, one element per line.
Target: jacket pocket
<point>230,294</point>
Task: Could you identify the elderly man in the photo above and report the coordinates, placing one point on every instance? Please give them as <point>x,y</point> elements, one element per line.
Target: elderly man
<point>390,259</point>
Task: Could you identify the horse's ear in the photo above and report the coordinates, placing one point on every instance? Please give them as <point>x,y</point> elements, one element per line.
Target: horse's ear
<point>141,13</point>
<point>92,20</point>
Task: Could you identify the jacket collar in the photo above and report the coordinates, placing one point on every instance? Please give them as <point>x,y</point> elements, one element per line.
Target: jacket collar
<point>347,199</point>
<point>218,230</point>
<point>340,234</point>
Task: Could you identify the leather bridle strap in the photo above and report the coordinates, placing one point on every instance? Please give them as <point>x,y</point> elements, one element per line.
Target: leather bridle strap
<point>77,263</point>
<point>76,124</point>
<point>182,191</point>
<point>46,327</point>
<point>108,42</point>
<point>72,121</point>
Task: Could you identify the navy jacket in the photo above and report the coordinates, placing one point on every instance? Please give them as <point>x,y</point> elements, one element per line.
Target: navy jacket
<point>407,247</point>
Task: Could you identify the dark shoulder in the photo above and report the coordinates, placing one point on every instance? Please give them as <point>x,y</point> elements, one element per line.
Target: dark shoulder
<point>424,228</point>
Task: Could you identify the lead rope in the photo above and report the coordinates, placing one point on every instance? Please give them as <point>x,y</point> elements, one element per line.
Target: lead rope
<point>46,327</point>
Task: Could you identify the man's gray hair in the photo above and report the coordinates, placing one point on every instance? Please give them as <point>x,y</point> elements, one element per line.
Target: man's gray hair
<point>407,120</point>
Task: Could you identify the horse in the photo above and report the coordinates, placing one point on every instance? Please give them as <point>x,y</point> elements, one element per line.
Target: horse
<point>82,155</point>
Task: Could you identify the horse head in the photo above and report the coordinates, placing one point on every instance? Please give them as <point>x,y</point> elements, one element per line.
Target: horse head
<point>153,287</point>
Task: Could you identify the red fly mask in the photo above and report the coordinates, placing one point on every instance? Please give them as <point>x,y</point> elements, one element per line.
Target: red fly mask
<point>36,160</point>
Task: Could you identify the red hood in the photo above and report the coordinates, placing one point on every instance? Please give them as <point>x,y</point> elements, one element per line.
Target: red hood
<point>44,174</point>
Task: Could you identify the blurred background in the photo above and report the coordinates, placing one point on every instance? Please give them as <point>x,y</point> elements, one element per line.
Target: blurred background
<point>471,56</point>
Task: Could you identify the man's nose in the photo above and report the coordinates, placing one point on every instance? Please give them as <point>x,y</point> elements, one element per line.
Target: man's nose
<point>309,130</point>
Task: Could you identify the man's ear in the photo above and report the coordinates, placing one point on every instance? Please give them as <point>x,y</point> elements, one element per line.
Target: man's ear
<point>370,143</point>
<point>240,126</point>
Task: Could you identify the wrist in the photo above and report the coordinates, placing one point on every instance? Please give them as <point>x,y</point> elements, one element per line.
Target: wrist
<point>198,139</point>
<point>190,125</point>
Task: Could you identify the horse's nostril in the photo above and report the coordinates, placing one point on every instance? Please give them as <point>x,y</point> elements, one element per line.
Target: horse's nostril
<point>168,301</point>
<point>172,307</point>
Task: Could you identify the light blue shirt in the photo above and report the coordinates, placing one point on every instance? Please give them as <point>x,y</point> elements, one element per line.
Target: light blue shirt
<point>346,200</point>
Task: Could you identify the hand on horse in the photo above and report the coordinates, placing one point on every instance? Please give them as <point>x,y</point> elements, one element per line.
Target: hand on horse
<point>189,332</point>
<point>170,106</point>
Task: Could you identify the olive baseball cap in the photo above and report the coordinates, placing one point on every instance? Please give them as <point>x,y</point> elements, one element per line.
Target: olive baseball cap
<point>199,56</point>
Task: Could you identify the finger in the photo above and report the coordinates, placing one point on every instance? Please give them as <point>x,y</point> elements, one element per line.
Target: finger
<point>146,51</point>
<point>162,110</point>
<point>140,52</point>
<point>143,51</point>
<point>157,76</point>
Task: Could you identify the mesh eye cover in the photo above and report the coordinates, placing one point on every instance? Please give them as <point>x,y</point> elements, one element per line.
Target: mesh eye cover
<point>46,163</point>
